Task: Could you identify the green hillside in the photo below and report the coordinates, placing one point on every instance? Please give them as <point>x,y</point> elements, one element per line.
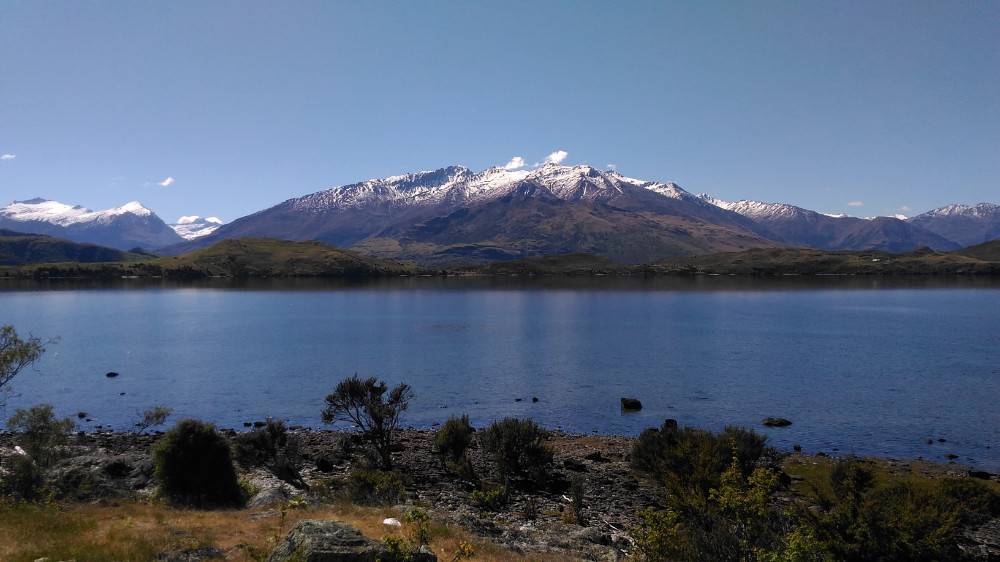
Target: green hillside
<point>21,249</point>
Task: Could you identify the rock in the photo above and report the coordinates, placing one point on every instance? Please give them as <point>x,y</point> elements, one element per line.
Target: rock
<point>631,404</point>
<point>517,400</point>
<point>573,464</point>
<point>111,374</point>
<point>797,448</point>
<point>314,540</point>
<point>980,474</point>
<point>534,399</point>
<point>951,456</point>
<point>81,415</point>
<point>670,423</point>
<point>596,456</point>
<point>268,497</point>
<point>192,555</point>
<point>391,522</point>
<point>259,424</point>
<point>776,422</point>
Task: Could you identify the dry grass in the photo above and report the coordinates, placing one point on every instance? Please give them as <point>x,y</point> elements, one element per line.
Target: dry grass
<point>135,531</point>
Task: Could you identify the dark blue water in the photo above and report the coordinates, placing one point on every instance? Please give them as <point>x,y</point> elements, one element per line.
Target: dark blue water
<point>858,367</point>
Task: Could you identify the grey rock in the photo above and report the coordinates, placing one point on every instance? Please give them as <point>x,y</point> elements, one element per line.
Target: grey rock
<point>631,404</point>
<point>314,540</point>
<point>269,497</point>
<point>776,422</point>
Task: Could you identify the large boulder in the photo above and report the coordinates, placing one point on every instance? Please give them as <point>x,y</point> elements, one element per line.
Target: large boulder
<point>313,540</point>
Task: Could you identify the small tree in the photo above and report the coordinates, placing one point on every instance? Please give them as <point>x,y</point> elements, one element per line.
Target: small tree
<point>16,354</point>
<point>518,448</point>
<point>364,403</point>
<point>155,416</point>
<point>40,433</point>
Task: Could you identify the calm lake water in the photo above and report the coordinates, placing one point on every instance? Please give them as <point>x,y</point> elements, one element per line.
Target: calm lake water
<point>858,365</point>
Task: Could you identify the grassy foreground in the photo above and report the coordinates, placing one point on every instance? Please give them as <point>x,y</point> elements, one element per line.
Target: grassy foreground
<point>141,531</point>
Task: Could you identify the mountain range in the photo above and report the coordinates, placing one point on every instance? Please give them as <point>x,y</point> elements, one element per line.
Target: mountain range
<point>455,214</point>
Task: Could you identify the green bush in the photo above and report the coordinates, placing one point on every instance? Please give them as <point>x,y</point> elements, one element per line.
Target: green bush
<point>194,466</point>
<point>868,517</point>
<point>453,438</point>
<point>374,487</point>
<point>21,479</point>
<point>690,462</point>
<point>40,434</point>
<point>518,449</point>
<point>489,499</point>
<point>271,446</point>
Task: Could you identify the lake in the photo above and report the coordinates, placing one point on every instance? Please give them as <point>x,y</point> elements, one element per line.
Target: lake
<point>859,365</point>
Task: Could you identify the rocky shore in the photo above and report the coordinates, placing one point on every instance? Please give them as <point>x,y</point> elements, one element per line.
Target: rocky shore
<point>109,466</point>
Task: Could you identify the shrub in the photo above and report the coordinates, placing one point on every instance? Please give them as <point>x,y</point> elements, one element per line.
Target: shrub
<point>518,449</point>
<point>690,462</point>
<point>153,417</point>
<point>21,479</point>
<point>489,499</point>
<point>40,434</point>
<point>870,518</point>
<point>453,438</point>
<point>374,487</point>
<point>271,446</point>
<point>365,404</point>
<point>16,354</point>
<point>194,466</point>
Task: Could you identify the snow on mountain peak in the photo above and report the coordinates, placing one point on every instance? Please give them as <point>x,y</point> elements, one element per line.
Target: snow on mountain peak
<point>190,227</point>
<point>957,210</point>
<point>54,212</point>
<point>754,209</point>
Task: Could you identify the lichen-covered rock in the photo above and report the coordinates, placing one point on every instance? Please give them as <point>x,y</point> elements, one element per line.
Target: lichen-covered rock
<point>330,541</point>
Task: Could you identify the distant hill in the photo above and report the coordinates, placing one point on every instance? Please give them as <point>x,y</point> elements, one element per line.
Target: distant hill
<point>798,261</point>
<point>989,251</point>
<point>264,257</point>
<point>18,248</point>
<point>238,258</point>
<point>566,264</point>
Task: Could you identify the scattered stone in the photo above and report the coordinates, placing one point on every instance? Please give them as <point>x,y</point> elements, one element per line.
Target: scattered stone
<point>247,424</point>
<point>573,464</point>
<point>517,400</point>
<point>330,541</point>
<point>534,399</point>
<point>111,374</point>
<point>259,424</point>
<point>596,456</point>
<point>81,415</point>
<point>797,448</point>
<point>776,422</point>
<point>631,404</point>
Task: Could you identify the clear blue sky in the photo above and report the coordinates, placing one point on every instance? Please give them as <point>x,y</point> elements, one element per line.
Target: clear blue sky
<point>244,104</point>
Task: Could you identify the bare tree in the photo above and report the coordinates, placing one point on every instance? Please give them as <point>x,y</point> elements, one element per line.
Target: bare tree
<point>365,403</point>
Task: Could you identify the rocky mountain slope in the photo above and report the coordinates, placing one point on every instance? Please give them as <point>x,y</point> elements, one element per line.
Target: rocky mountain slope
<point>964,224</point>
<point>800,227</point>
<point>129,226</point>
<point>193,226</point>
<point>455,214</point>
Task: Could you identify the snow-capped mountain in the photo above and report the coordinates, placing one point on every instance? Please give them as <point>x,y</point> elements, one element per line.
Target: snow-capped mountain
<point>965,224</point>
<point>457,213</point>
<point>128,226</point>
<point>801,227</point>
<point>192,226</point>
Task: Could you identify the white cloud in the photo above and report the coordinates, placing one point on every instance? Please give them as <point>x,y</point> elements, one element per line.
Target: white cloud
<point>900,217</point>
<point>855,203</point>
<point>167,182</point>
<point>514,164</point>
<point>188,219</point>
<point>8,156</point>
<point>556,157</point>
<point>613,167</point>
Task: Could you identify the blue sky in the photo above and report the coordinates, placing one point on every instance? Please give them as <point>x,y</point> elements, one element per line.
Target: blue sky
<point>245,104</point>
